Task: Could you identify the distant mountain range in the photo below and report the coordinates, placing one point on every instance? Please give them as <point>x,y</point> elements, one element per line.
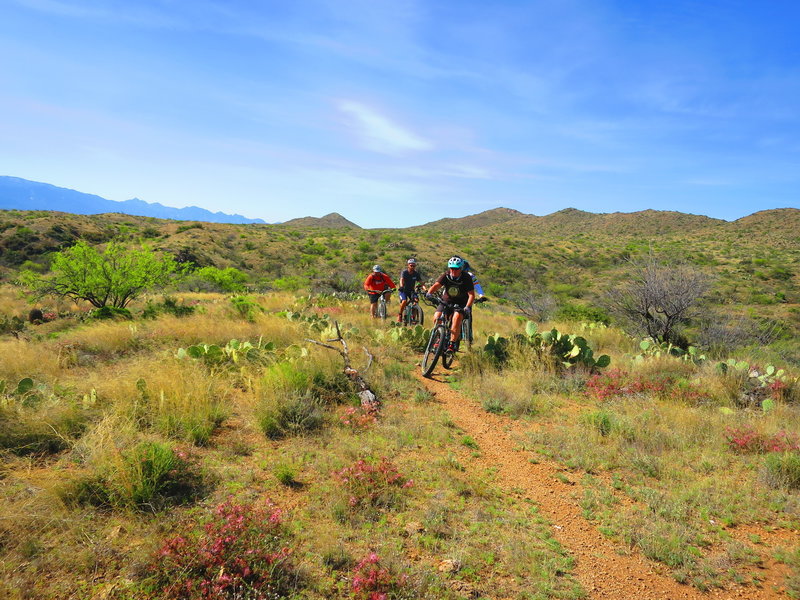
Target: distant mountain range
<point>21,194</point>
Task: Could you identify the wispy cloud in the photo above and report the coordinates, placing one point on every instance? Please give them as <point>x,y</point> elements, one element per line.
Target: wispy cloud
<point>378,133</point>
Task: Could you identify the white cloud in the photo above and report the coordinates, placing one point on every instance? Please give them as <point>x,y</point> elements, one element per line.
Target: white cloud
<point>378,133</point>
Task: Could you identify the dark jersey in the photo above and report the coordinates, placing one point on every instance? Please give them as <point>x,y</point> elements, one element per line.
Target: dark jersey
<point>409,281</point>
<point>456,290</point>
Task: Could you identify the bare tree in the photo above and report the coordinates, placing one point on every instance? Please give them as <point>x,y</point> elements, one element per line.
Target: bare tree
<point>538,306</point>
<point>659,297</point>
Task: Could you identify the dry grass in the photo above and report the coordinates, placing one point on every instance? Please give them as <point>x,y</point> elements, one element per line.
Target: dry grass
<point>22,358</point>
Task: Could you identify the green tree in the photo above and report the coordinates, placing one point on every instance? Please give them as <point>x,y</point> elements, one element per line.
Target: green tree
<point>225,280</point>
<point>112,277</point>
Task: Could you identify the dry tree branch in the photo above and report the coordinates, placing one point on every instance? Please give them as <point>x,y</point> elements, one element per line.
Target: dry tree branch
<point>369,400</point>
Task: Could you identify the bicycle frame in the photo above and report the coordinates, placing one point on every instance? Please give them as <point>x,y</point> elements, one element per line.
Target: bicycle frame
<point>381,308</point>
<point>408,311</point>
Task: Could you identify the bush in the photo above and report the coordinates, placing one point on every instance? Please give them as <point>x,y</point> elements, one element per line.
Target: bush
<point>111,312</point>
<point>747,439</point>
<point>581,313</point>
<point>149,476</point>
<point>112,277</point>
<point>371,581</point>
<point>240,552</point>
<point>43,428</point>
<point>782,470</point>
<point>370,486</point>
<point>168,306</point>
<point>228,280</point>
<point>292,415</point>
<point>246,307</point>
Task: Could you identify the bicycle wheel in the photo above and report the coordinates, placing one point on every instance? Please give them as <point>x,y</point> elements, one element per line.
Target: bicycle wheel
<point>416,315</point>
<point>447,359</point>
<point>434,350</point>
<point>466,331</point>
<point>381,307</point>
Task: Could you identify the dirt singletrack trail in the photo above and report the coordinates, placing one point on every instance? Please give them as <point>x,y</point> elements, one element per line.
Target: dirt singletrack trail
<point>604,572</point>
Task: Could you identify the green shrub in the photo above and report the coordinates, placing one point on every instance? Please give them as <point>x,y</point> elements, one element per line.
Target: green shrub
<point>246,307</point>
<point>111,312</point>
<point>147,477</point>
<point>168,306</point>
<point>290,415</point>
<point>285,474</point>
<point>35,421</point>
<point>228,280</point>
<point>602,421</point>
<point>580,313</point>
<point>782,470</point>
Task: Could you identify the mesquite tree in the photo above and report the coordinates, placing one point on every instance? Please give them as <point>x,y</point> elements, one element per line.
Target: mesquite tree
<point>658,297</point>
<point>112,277</point>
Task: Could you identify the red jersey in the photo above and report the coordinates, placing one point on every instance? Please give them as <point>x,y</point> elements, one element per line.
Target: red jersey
<point>378,281</point>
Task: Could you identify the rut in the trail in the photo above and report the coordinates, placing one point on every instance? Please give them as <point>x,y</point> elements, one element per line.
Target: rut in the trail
<point>606,570</point>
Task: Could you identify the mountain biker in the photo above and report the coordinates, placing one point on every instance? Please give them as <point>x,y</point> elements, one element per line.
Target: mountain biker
<point>376,284</point>
<point>410,278</point>
<point>458,290</point>
<point>480,297</point>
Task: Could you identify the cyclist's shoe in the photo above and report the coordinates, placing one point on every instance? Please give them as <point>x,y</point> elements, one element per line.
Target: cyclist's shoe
<point>481,299</point>
<point>452,347</point>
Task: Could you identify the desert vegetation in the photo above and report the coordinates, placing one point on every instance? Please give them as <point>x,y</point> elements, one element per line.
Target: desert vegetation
<point>204,443</point>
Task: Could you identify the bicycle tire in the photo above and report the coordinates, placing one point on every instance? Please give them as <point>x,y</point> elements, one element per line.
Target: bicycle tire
<point>466,331</point>
<point>433,350</point>
<point>417,316</point>
<point>381,307</point>
<point>447,359</point>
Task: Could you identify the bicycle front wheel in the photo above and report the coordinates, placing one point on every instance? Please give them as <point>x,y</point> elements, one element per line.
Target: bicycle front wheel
<point>381,308</point>
<point>416,315</point>
<point>434,350</point>
<point>447,359</point>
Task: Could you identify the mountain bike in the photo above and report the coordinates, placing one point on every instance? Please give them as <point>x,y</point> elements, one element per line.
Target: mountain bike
<point>380,310</point>
<point>412,313</point>
<point>440,340</point>
<point>466,324</point>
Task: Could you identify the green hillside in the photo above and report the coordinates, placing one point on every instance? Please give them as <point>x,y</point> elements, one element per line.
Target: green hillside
<point>573,256</point>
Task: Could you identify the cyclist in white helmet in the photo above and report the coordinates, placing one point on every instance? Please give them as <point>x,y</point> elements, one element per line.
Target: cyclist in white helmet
<point>410,278</point>
<point>376,284</point>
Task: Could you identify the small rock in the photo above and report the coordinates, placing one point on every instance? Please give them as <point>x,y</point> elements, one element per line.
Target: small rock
<point>413,527</point>
<point>449,566</point>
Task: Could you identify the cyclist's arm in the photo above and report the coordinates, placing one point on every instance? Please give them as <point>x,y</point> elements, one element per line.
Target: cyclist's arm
<point>434,287</point>
<point>470,299</point>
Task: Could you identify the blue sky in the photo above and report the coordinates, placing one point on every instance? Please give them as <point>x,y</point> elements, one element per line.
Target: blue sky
<point>399,112</point>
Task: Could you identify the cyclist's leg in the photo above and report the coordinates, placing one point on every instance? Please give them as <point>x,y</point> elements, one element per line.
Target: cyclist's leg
<point>373,303</point>
<point>455,328</point>
<point>403,304</point>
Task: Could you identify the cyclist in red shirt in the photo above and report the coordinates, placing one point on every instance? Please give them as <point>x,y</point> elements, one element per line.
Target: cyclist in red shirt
<point>376,284</point>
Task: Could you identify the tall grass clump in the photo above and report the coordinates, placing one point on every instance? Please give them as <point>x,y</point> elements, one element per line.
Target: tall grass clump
<point>293,396</point>
<point>147,476</point>
<point>180,400</point>
<point>525,386</point>
<point>35,420</point>
<point>23,359</point>
<point>782,470</point>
